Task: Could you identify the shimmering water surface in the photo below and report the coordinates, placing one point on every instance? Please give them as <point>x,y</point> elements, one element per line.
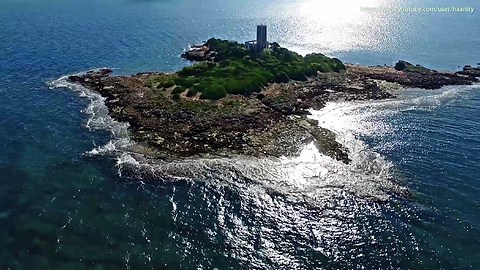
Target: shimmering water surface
<point>72,198</point>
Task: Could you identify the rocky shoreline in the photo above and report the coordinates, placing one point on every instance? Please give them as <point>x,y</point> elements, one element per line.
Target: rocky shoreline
<point>270,123</point>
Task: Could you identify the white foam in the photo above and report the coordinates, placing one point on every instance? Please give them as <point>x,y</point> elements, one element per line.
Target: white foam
<point>312,175</point>
<point>98,119</point>
<point>351,121</point>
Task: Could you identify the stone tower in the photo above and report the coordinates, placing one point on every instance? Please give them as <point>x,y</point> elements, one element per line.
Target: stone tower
<point>262,37</point>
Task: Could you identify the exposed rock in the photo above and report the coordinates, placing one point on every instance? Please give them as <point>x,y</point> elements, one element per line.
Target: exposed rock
<point>402,65</point>
<point>470,71</point>
<point>271,123</point>
<point>426,80</point>
<point>199,53</point>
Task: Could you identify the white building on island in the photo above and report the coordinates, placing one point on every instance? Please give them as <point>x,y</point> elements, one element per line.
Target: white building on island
<point>261,42</point>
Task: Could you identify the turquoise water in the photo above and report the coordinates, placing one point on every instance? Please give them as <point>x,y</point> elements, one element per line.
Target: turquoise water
<point>72,198</point>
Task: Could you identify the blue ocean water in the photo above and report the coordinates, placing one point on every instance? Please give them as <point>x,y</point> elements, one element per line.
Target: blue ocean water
<point>408,200</point>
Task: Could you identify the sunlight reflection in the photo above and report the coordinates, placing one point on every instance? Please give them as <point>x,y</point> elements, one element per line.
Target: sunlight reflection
<point>336,12</point>
<point>339,25</point>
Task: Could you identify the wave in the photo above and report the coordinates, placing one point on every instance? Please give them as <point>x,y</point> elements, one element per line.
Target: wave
<point>98,118</point>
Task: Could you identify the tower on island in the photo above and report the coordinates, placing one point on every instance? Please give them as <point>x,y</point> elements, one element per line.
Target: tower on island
<point>261,42</point>
<point>261,37</point>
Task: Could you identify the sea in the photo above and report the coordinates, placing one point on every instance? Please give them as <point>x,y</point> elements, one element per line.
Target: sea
<point>72,196</point>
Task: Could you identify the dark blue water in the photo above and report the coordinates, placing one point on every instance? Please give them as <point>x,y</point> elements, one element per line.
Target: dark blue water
<point>63,208</point>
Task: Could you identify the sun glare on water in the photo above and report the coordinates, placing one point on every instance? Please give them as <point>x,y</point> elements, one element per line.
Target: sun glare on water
<point>339,25</point>
<point>337,11</point>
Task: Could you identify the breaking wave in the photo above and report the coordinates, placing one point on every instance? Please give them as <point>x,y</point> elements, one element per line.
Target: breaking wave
<point>98,118</point>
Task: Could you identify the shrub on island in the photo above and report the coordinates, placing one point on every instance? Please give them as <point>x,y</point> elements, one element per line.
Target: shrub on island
<point>178,90</point>
<point>214,92</point>
<point>167,84</point>
<point>192,92</point>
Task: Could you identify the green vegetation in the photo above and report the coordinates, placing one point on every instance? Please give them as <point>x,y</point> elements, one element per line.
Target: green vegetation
<point>176,97</point>
<point>418,69</point>
<point>238,71</point>
<point>406,66</point>
<point>178,89</point>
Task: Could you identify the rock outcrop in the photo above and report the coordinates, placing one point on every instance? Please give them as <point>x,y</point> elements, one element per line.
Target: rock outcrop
<point>470,71</point>
<point>270,123</point>
<point>199,53</point>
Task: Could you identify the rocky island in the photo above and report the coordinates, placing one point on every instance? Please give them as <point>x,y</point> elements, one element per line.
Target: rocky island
<point>237,102</point>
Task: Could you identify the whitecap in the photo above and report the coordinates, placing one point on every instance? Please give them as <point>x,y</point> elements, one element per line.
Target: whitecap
<point>98,117</point>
